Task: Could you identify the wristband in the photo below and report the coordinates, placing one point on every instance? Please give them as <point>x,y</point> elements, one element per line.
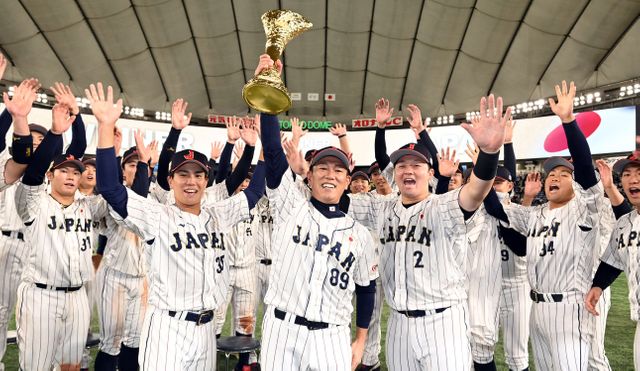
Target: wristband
<point>22,149</point>
<point>486,165</point>
<point>342,135</point>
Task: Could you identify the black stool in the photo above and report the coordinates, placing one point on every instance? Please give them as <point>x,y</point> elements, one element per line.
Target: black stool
<point>236,344</point>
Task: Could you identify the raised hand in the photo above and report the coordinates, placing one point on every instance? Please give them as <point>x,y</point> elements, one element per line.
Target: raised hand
<point>233,130</point>
<point>415,118</point>
<point>249,134</point>
<point>295,158</point>
<point>144,152</point>
<point>606,176</point>
<point>64,95</point>
<point>508,131</point>
<point>155,154</point>
<point>296,131</point>
<point>3,65</point>
<point>447,162</point>
<point>216,150</point>
<point>61,120</point>
<point>564,107</point>
<point>178,119</point>
<point>338,129</point>
<point>472,152</point>
<point>24,95</point>
<point>383,112</point>
<point>488,129</point>
<point>102,106</point>
<point>265,62</point>
<point>532,186</point>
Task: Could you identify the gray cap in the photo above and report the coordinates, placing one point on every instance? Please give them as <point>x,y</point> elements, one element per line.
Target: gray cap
<point>633,158</point>
<point>555,161</point>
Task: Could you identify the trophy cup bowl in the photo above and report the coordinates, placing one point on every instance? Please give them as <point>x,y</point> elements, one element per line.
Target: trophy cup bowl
<point>266,91</point>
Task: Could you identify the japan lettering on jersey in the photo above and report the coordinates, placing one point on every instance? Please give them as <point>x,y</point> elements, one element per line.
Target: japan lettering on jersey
<point>623,253</point>
<point>424,246</point>
<point>186,253</point>
<point>318,260</point>
<point>561,242</point>
<point>60,237</point>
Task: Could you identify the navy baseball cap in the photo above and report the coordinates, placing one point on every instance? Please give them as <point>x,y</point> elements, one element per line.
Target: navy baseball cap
<point>309,155</point>
<point>411,149</point>
<point>187,156</point>
<point>504,173</point>
<point>621,164</point>
<point>89,161</point>
<point>359,174</point>
<point>333,152</point>
<point>555,161</point>
<point>38,129</point>
<point>129,154</point>
<point>61,161</point>
<point>466,174</point>
<point>374,167</point>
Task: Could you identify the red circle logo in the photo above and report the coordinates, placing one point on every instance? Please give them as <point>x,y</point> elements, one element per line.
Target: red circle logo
<point>556,141</point>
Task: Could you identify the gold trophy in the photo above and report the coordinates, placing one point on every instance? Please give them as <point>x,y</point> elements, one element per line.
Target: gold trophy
<point>266,91</point>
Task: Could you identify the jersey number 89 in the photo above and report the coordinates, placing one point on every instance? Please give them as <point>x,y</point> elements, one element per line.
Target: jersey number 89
<point>339,279</point>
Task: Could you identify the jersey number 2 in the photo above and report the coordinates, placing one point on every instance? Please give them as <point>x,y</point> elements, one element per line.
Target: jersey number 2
<point>418,255</point>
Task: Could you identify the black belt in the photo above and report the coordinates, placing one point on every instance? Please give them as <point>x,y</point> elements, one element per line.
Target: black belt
<point>311,325</point>
<point>199,318</point>
<point>420,313</point>
<point>266,261</point>
<point>54,288</point>
<point>540,298</point>
<point>17,235</point>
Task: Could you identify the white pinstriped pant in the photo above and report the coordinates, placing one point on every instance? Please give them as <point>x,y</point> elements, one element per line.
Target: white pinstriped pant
<point>287,346</point>
<point>12,253</point>
<point>597,358</point>
<point>437,341</point>
<point>52,326</point>
<point>122,302</point>
<point>636,347</point>
<point>169,343</point>
<point>515,313</point>
<point>241,295</point>
<point>561,334</point>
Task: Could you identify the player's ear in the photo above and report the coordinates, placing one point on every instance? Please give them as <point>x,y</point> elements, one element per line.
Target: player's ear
<point>49,175</point>
<point>431,172</point>
<point>170,180</point>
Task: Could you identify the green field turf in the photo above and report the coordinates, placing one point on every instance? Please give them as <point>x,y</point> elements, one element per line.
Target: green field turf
<point>618,343</point>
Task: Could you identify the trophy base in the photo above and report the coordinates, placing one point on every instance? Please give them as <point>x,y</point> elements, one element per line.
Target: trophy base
<point>263,96</point>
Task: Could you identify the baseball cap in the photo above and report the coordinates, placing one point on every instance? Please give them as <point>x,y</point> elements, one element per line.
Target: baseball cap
<point>411,149</point>
<point>466,174</point>
<point>373,168</point>
<point>633,158</point>
<point>89,161</point>
<point>504,173</point>
<point>330,151</point>
<point>555,161</point>
<point>38,129</point>
<point>309,155</point>
<point>61,161</point>
<point>128,154</point>
<point>187,156</point>
<point>360,174</point>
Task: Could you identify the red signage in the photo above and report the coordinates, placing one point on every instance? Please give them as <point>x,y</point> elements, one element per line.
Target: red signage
<point>371,123</point>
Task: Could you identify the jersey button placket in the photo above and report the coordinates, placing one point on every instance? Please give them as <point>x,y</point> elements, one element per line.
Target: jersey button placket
<point>400,296</point>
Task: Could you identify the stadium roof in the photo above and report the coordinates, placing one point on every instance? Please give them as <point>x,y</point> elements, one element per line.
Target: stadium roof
<point>441,55</point>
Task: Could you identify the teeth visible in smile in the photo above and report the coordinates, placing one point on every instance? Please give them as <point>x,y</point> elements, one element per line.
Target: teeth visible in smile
<point>328,185</point>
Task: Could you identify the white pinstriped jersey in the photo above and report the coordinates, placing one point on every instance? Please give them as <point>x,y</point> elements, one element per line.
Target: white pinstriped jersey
<point>9,217</point>
<point>60,237</point>
<point>124,250</point>
<point>514,267</point>
<point>316,260</point>
<point>263,228</point>
<point>4,157</point>
<point>241,244</point>
<point>185,253</point>
<point>623,253</point>
<point>424,247</point>
<point>607,222</point>
<point>561,242</point>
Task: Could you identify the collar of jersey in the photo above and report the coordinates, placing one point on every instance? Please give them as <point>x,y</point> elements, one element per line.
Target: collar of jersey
<point>328,210</point>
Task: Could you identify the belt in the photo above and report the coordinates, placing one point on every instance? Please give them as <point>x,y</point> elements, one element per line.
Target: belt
<point>265,261</point>
<point>17,235</point>
<point>542,298</point>
<point>55,288</point>
<point>311,325</point>
<point>421,313</point>
<point>199,318</point>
